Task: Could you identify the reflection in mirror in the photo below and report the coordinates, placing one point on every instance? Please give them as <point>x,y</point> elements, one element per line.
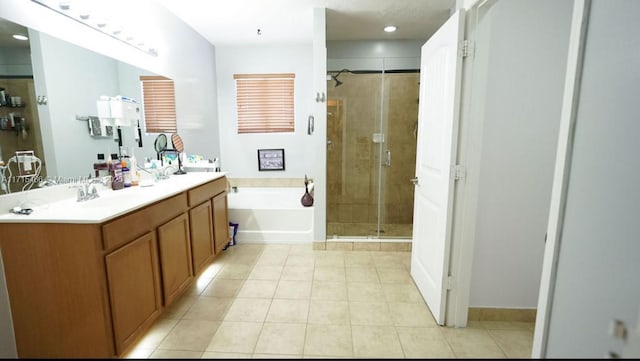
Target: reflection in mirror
<point>64,83</point>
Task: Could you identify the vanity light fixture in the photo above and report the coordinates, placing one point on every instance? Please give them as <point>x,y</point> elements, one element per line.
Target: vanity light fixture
<point>83,11</point>
<point>20,37</point>
<point>390,28</point>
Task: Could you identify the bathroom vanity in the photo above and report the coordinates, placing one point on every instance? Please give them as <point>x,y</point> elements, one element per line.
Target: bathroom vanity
<point>87,279</point>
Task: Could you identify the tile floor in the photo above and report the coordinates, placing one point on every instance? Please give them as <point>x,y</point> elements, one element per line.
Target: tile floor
<point>290,301</point>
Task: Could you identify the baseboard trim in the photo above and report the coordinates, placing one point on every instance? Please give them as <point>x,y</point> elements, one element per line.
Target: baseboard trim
<point>502,314</point>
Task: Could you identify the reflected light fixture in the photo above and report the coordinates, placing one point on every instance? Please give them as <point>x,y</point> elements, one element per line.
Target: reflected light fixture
<point>83,12</point>
<point>389,28</point>
<point>20,37</point>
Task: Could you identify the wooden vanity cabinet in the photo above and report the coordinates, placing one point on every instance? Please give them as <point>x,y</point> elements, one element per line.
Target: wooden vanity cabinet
<point>92,290</point>
<point>134,288</point>
<point>220,221</point>
<point>202,239</point>
<point>174,244</point>
<point>213,196</point>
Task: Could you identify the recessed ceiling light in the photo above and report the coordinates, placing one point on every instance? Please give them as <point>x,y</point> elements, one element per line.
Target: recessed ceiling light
<point>20,37</point>
<point>389,28</point>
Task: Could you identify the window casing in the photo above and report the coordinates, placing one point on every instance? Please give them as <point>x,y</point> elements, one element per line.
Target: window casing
<point>158,104</point>
<point>265,103</point>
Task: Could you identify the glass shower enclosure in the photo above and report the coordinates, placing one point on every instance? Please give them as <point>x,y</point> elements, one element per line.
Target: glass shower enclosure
<point>372,119</point>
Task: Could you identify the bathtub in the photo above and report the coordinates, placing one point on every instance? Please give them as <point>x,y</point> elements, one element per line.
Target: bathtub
<point>270,215</point>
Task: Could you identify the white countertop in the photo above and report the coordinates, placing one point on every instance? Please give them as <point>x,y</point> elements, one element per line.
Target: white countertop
<point>58,204</point>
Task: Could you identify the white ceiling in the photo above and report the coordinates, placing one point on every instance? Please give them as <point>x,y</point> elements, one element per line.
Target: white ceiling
<point>236,22</point>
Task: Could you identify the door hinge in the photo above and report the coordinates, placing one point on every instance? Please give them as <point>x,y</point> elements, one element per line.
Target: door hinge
<point>449,282</point>
<point>466,48</point>
<point>458,172</point>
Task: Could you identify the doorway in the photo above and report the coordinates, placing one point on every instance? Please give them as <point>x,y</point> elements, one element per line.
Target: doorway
<point>372,120</point>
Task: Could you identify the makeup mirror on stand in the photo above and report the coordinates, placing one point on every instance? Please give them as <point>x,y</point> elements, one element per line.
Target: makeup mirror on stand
<point>176,141</point>
<point>160,145</point>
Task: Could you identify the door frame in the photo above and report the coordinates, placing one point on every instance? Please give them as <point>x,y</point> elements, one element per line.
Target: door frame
<point>568,118</point>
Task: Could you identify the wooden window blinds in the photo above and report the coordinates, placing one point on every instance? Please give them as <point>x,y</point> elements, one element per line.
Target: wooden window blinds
<point>159,104</point>
<point>265,103</point>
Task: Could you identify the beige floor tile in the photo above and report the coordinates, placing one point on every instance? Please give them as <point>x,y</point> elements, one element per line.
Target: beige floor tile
<point>139,353</point>
<point>315,316</point>
<point>376,341</point>
<point>328,341</point>
<point>330,274</point>
<point>175,354</point>
<point>286,310</point>
<point>208,309</point>
<point>300,260</point>
<point>258,289</point>
<point>240,337</point>
<point>419,342</point>
<point>363,291</point>
<point>388,260</point>
<point>179,307</point>
<point>329,259</point>
<point>332,291</point>
<point>471,343</point>
<point>293,290</point>
<point>265,273</point>
<point>358,259</point>
<point>220,287</point>
<point>275,356</point>
<point>394,275</point>
<point>225,355</point>
<point>235,271</point>
<point>281,338</point>
<point>507,325</point>
<point>248,310</point>
<point>297,273</point>
<point>329,312</point>
<point>190,335</point>
<point>370,313</point>
<point>362,274</point>
<point>401,293</point>
<point>272,259</point>
<point>156,333</point>
<point>514,343</point>
<point>411,314</point>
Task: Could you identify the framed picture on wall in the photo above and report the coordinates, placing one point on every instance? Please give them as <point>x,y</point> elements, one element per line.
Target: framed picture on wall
<point>270,159</point>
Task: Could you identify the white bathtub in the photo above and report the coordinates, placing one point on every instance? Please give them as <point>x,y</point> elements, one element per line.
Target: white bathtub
<point>270,215</point>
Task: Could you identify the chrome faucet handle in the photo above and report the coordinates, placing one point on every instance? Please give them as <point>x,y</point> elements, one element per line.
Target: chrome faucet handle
<point>81,195</point>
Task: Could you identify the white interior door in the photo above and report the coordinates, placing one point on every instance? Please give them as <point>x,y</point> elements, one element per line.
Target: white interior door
<point>438,113</point>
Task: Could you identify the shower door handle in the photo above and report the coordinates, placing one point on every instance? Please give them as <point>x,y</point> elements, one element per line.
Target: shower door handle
<point>387,161</point>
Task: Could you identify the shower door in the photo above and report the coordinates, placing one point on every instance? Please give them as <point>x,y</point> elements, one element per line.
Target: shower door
<point>371,148</point>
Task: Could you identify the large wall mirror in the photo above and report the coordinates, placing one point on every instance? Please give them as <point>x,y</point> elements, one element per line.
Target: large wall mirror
<point>59,84</point>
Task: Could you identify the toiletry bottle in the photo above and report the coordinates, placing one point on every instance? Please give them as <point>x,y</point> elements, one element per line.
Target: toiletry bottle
<point>126,173</point>
<point>100,167</point>
<point>116,173</point>
<point>133,169</point>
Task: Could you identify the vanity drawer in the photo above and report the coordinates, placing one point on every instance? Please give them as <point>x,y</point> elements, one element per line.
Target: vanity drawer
<point>132,225</point>
<point>207,191</point>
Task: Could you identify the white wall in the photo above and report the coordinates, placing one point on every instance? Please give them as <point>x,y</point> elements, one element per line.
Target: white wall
<point>597,264</point>
<point>238,153</point>
<point>525,47</point>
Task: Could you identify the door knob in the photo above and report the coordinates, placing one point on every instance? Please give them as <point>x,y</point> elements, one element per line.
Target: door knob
<point>415,181</point>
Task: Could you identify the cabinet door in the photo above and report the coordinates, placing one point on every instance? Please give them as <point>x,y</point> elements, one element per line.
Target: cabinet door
<point>201,227</point>
<point>134,288</point>
<point>220,221</point>
<point>175,257</point>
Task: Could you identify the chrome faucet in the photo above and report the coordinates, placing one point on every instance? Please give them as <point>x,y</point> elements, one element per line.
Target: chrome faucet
<point>88,189</point>
<point>47,182</point>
